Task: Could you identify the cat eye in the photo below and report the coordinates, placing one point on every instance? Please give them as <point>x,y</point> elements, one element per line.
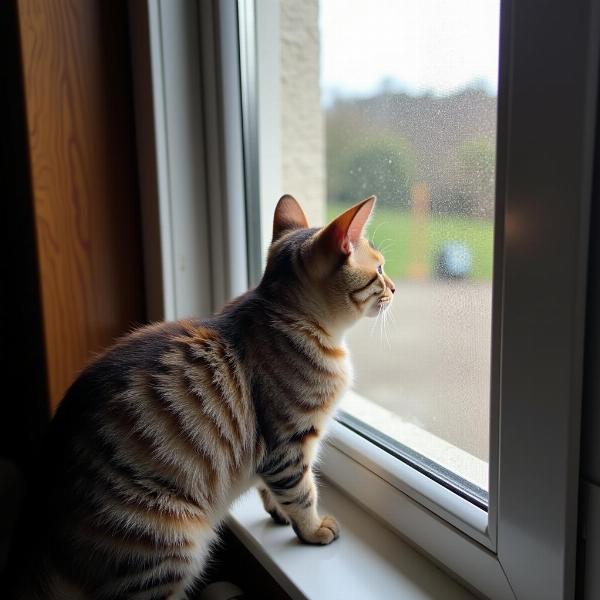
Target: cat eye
<point>380,270</point>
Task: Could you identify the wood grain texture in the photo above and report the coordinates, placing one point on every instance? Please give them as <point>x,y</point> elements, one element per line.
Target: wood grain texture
<point>77,85</point>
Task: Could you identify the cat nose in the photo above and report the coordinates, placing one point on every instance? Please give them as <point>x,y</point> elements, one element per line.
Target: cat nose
<point>392,288</point>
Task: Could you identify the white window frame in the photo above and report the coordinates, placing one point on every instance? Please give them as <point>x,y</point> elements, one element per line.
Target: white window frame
<point>199,136</point>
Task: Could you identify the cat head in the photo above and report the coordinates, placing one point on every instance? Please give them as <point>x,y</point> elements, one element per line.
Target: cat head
<point>332,273</point>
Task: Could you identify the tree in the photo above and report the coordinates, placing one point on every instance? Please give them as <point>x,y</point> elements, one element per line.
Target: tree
<point>361,163</point>
<point>472,192</point>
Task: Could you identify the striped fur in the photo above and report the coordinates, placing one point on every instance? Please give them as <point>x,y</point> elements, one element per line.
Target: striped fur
<point>159,434</point>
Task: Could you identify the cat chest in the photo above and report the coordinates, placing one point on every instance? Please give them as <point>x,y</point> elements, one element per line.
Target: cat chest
<point>318,388</point>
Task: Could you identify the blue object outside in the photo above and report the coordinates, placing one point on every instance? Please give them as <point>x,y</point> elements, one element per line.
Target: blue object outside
<point>454,261</point>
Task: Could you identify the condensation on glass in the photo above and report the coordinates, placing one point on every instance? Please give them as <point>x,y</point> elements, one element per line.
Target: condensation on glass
<point>398,99</point>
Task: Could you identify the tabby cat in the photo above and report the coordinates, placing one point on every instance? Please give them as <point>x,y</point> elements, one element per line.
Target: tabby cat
<point>164,430</point>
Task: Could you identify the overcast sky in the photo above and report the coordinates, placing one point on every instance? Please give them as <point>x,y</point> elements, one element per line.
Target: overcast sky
<point>423,45</point>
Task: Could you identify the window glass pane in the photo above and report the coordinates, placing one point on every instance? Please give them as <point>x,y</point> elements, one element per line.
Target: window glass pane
<point>397,98</point>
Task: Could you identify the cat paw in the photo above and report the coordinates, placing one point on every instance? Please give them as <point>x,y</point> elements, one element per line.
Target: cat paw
<point>327,532</point>
<point>278,517</point>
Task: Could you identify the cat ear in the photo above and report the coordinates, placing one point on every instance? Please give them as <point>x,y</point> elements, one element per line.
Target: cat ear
<point>288,215</point>
<point>345,231</point>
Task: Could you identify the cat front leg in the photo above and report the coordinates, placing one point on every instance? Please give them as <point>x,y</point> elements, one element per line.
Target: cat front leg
<point>296,492</point>
<point>272,507</point>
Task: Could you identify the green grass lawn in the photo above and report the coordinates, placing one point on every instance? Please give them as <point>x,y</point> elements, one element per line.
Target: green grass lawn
<point>391,232</point>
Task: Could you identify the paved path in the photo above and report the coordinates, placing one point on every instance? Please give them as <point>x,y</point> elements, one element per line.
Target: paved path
<point>435,370</point>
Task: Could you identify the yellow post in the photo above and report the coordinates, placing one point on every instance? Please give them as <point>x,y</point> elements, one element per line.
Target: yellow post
<point>419,201</point>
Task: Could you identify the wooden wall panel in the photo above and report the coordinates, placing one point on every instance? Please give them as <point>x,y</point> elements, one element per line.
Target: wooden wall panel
<point>77,85</point>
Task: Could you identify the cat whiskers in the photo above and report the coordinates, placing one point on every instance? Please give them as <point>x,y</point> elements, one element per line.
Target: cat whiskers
<point>383,330</point>
<point>381,321</point>
<point>392,318</point>
<point>389,243</point>
<point>376,320</point>
<point>387,318</point>
<point>384,333</point>
<point>375,232</point>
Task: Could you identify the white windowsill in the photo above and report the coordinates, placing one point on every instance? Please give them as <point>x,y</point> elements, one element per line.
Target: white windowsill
<point>368,561</point>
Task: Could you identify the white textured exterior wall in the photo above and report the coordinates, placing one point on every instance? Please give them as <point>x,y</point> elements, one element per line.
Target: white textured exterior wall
<point>302,122</point>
